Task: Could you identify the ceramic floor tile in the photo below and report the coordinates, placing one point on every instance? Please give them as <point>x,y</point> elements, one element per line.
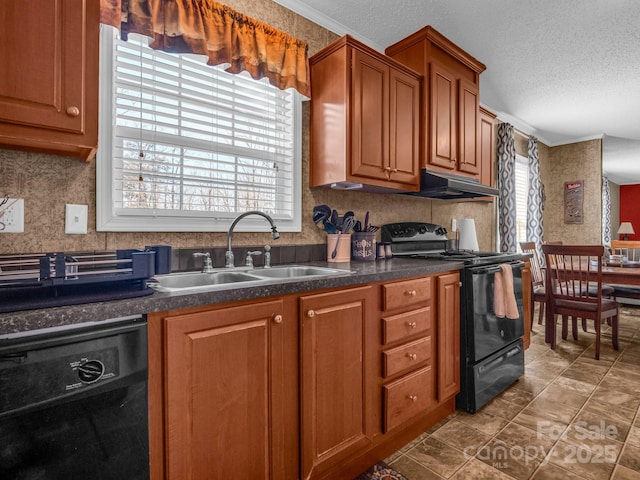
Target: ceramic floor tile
<point>462,437</point>
<point>624,473</point>
<point>555,411</point>
<point>549,471</point>
<point>438,457</point>
<point>509,459</point>
<point>483,422</point>
<point>633,437</point>
<point>477,470</point>
<point>578,386</point>
<point>502,408</point>
<point>616,398</point>
<point>534,443</point>
<point>413,470</point>
<point>630,457</point>
<point>517,396</point>
<point>617,415</point>
<point>583,462</point>
<point>531,419</point>
<point>559,394</point>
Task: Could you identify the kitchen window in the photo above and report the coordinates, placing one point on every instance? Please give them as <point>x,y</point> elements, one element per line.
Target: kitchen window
<point>185,146</point>
<point>522,191</point>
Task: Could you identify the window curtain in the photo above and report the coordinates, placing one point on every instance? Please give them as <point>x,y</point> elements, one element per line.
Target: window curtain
<point>507,188</point>
<point>606,212</point>
<point>535,197</point>
<point>224,35</point>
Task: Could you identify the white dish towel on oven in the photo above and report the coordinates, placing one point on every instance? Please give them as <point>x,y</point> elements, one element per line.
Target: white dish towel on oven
<point>504,298</point>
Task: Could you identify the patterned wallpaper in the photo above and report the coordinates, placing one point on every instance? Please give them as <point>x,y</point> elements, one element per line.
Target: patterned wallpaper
<point>567,163</point>
<point>48,182</point>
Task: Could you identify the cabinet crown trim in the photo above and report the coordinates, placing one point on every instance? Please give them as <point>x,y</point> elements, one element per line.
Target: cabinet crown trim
<point>432,35</point>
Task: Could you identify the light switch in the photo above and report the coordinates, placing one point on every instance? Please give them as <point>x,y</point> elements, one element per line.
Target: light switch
<point>76,219</point>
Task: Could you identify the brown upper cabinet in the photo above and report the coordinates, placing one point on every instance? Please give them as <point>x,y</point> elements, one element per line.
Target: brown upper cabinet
<point>450,113</point>
<point>365,120</point>
<point>49,82</point>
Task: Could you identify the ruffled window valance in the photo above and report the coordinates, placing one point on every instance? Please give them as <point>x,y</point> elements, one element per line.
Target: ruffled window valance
<point>222,34</point>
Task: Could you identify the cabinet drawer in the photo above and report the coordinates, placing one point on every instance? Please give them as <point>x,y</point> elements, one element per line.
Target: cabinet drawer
<point>408,324</point>
<point>407,397</point>
<point>403,294</point>
<point>406,356</point>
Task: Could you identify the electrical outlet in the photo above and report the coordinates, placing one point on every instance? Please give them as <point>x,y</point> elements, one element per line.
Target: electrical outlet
<point>12,216</point>
<point>76,219</point>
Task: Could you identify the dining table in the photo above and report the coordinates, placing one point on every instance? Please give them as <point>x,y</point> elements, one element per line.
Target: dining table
<point>613,273</point>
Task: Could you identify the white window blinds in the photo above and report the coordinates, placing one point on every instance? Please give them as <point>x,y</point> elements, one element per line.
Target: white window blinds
<point>522,189</point>
<point>191,141</point>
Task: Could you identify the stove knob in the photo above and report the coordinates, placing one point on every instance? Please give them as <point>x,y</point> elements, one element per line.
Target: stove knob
<point>91,371</point>
<point>441,231</point>
<point>423,229</point>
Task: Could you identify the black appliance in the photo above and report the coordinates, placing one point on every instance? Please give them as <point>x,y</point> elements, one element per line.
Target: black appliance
<point>73,402</point>
<point>491,350</point>
<point>447,186</point>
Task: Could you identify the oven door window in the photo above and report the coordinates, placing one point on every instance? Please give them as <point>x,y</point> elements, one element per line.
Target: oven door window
<point>489,333</point>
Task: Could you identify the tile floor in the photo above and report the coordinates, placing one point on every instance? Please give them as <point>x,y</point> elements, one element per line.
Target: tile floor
<point>570,417</point>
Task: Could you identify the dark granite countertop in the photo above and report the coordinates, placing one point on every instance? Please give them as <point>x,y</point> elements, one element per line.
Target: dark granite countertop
<point>364,272</point>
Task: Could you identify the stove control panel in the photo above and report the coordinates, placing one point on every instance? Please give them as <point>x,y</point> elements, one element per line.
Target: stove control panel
<point>412,231</point>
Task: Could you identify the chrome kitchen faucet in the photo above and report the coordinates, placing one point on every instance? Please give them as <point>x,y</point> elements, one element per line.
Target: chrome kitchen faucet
<point>229,259</point>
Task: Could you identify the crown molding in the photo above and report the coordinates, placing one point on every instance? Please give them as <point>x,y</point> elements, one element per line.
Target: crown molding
<point>327,22</point>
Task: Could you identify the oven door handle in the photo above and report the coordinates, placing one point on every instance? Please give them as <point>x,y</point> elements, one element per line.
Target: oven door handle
<point>494,363</point>
<point>495,269</point>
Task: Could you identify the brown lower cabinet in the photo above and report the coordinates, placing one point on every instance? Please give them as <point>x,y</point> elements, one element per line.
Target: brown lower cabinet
<point>318,385</point>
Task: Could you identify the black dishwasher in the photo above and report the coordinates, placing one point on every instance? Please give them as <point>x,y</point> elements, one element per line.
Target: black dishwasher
<point>73,402</point>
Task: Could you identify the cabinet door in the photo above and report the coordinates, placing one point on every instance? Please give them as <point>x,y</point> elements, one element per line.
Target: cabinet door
<point>443,104</point>
<point>468,127</point>
<point>448,335</point>
<point>404,124</point>
<point>222,373</point>
<point>370,117</point>
<point>49,81</point>
<point>487,147</point>
<point>335,381</point>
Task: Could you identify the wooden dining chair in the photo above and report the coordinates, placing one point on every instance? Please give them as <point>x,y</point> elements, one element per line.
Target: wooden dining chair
<point>571,271</point>
<point>537,280</point>
<point>631,250</point>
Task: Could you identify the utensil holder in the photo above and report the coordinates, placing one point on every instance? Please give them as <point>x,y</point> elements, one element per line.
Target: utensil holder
<point>341,244</point>
<point>363,246</point>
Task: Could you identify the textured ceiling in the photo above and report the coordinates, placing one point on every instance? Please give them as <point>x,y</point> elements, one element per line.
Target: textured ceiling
<point>565,71</point>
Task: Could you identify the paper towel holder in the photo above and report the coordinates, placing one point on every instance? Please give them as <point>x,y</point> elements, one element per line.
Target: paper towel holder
<point>468,239</point>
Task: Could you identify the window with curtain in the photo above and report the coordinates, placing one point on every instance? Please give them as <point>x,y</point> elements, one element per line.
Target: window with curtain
<point>185,146</point>
<point>522,189</point>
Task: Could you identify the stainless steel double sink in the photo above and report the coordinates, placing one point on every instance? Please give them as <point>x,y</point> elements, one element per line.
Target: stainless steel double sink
<point>226,278</point>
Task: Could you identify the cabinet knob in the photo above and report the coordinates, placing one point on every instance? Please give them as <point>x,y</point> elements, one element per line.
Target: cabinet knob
<point>412,324</point>
<point>413,398</point>
<point>412,356</point>
<point>311,314</point>
<point>277,319</point>
<point>73,111</point>
<point>412,293</point>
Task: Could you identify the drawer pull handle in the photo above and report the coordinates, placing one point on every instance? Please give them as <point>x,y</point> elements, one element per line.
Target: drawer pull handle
<point>311,314</point>
<point>412,356</point>
<point>413,398</point>
<point>412,293</point>
<point>277,319</point>
<point>73,111</point>
<point>412,324</point>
